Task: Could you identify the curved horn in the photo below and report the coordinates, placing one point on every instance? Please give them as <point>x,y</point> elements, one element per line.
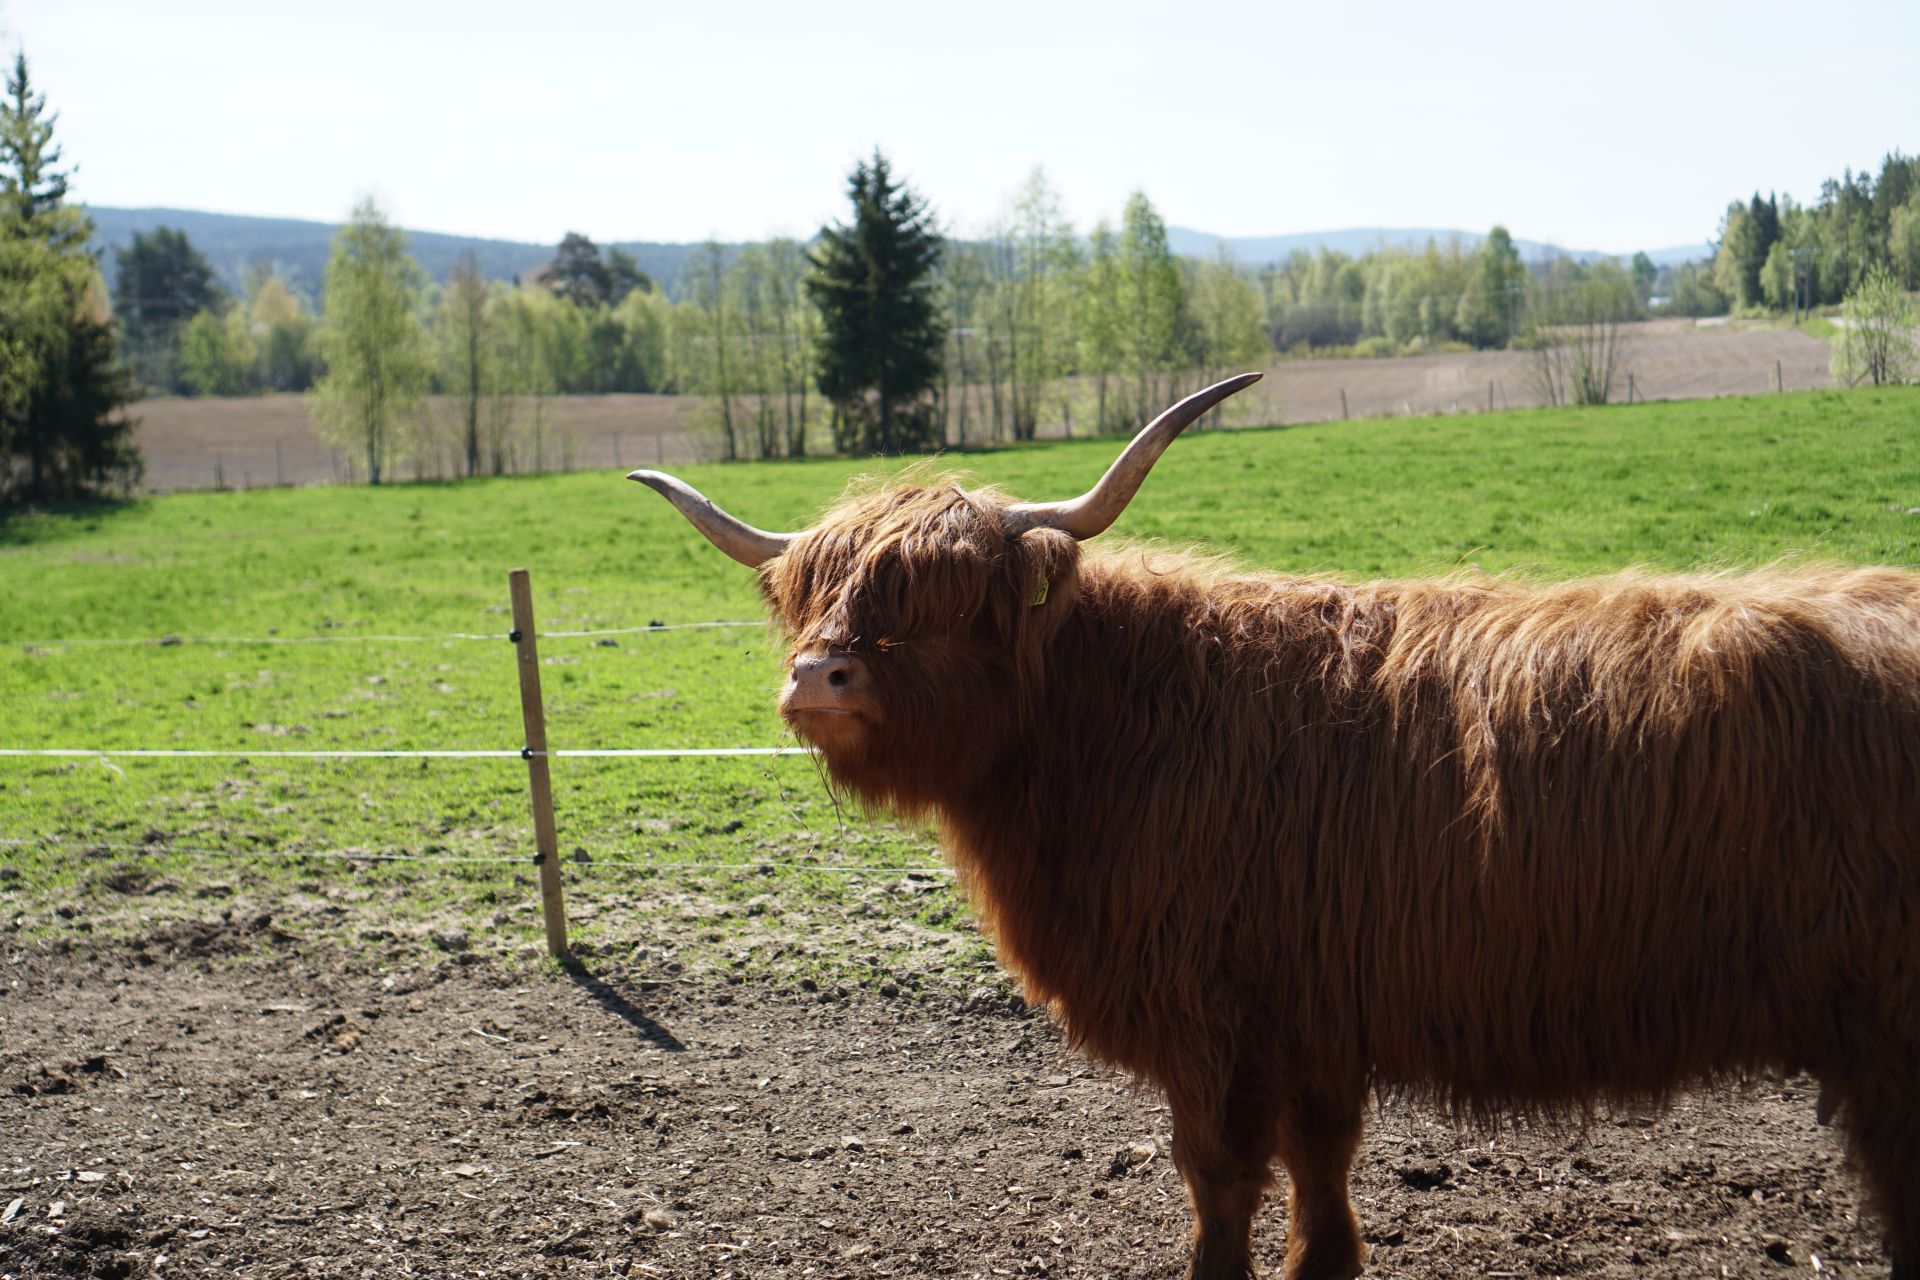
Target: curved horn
<point>750,546</point>
<point>1094,511</point>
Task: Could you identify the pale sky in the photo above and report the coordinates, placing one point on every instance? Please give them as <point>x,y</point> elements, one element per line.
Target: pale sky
<point>1609,126</point>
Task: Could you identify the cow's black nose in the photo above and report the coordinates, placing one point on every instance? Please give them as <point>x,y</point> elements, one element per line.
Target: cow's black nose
<point>821,677</point>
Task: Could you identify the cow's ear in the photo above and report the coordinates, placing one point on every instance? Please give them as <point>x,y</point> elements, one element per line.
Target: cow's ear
<point>1049,564</point>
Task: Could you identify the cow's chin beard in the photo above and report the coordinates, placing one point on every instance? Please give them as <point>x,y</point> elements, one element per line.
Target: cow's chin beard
<point>839,735</point>
<point>862,763</point>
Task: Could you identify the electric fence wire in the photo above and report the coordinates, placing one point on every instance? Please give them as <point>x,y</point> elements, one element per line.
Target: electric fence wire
<point>517,753</point>
<point>580,864</point>
<point>167,642</point>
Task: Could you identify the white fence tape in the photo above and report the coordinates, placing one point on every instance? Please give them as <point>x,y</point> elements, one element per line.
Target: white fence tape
<point>639,753</point>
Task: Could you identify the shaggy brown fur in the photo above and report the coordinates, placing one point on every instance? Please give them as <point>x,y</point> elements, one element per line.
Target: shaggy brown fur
<point>1275,843</point>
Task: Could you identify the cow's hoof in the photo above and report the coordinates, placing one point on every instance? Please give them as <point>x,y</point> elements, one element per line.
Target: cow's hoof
<point>1245,1271</point>
<point>1222,1266</point>
<point>1343,1262</point>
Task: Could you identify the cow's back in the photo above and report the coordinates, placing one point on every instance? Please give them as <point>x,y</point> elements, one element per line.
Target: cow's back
<point>1495,845</point>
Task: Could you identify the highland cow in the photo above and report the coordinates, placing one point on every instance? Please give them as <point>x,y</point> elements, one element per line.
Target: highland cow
<point>1279,843</point>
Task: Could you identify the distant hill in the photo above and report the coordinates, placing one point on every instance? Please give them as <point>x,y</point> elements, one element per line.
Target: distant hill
<point>1256,251</point>
<point>298,249</point>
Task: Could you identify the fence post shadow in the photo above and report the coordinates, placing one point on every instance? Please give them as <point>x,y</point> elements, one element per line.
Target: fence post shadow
<point>614,1001</point>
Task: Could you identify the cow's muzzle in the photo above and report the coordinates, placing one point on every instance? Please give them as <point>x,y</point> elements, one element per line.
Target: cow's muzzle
<point>821,683</point>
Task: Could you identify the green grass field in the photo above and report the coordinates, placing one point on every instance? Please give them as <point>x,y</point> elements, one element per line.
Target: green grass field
<point>1544,493</point>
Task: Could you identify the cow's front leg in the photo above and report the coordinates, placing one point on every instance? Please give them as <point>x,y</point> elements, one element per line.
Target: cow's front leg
<point>1319,1133</point>
<point>1223,1145</point>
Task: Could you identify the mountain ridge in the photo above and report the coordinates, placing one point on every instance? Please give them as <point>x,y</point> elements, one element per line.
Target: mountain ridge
<point>299,247</point>
<point>1354,241</point>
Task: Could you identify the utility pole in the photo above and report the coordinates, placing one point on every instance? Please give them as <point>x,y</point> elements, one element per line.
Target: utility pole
<point>1516,291</point>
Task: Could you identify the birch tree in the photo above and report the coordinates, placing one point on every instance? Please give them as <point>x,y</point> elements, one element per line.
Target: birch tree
<point>704,359</point>
<point>1038,301</point>
<point>1226,313</point>
<point>796,335</point>
<point>1875,342</point>
<point>752,302</point>
<point>372,340</point>
<point>1155,330</point>
<point>963,286</point>
<point>1102,322</point>
<point>466,353</point>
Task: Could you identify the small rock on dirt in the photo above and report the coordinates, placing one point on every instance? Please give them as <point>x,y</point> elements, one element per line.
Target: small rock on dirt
<point>1425,1175</point>
<point>1130,1157</point>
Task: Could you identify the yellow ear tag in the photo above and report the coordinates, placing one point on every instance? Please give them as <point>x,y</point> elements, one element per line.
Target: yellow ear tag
<point>1040,589</point>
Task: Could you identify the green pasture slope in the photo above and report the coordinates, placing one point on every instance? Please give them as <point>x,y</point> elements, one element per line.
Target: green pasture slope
<point>1547,493</point>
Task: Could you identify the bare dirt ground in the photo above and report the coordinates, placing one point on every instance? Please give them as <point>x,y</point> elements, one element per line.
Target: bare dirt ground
<point>252,442</point>
<point>1669,360</point>
<point>220,1099</point>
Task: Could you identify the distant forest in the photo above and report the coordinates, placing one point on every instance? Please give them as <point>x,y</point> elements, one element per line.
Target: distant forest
<point>1775,253</point>
<point>1040,319</point>
<point>297,250</point>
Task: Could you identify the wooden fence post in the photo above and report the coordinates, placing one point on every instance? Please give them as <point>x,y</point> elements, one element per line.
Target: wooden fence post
<point>533,713</point>
<point>1343,404</point>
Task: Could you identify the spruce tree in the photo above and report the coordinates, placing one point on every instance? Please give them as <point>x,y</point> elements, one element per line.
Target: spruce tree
<point>1487,314</point>
<point>624,275</point>
<point>33,191</point>
<point>577,273</point>
<point>881,338</point>
<point>160,283</point>
<point>63,432</point>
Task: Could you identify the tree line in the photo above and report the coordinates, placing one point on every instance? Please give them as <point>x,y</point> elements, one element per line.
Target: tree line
<point>1779,255</point>
<point>184,335</point>
<point>928,340</point>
